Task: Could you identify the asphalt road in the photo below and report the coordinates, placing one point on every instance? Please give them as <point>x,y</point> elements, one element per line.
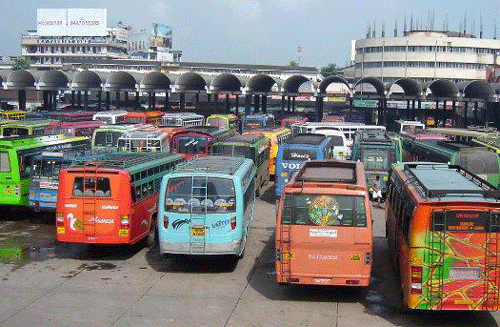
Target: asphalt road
<point>80,285</point>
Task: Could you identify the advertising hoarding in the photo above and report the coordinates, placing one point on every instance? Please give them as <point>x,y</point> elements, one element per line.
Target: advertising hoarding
<point>72,22</point>
<point>161,36</point>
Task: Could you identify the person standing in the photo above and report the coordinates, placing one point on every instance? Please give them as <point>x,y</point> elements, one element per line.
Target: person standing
<point>377,190</point>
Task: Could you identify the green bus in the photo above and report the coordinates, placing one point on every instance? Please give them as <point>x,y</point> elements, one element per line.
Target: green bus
<point>33,127</point>
<point>106,136</point>
<point>255,147</point>
<point>16,157</point>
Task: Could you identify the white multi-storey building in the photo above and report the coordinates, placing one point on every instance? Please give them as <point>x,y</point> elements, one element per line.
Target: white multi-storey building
<point>425,56</point>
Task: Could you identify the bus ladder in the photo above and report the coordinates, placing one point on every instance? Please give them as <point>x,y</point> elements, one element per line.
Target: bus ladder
<point>436,256</point>
<point>492,271</point>
<point>197,244</point>
<point>285,252</point>
<point>89,205</point>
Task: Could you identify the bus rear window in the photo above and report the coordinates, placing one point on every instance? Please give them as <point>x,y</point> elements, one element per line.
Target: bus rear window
<point>337,140</point>
<point>299,154</point>
<point>324,210</point>
<point>478,162</point>
<point>219,122</point>
<point>233,150</point>
<point>4,162</point>
<point>200,194</point>
<point>99,187</point>
<point>192,144</point>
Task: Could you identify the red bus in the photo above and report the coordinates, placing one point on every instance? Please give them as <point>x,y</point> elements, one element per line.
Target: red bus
<point>289,121</point>
<point>324,226</point>
<point>72,116</point>
<point>113,200</point>
<point>79,128</point>
<point>143,117</point>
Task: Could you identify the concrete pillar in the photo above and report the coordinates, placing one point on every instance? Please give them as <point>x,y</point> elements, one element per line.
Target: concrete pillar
<point>127,104</point>
<point>108,100</point>
<point>256,103</point>
<point>293,104</point>
<point>209,97</point>
<point>45,104</point>
<point>86,100</point>
<point>248,104</point>
<point>465,122</point>
<point>137,100</point>
<point>182,101</point>
<point>264,103</point>
<point>237,104</point>
<point>167,100</point>
<point>476,108</point>
<point>79,99</point>
<point>21,98</point>
<point>282,105</point>
<point>227,104</point>
<point>118,99</point>
<point>487,113</point>
<point>153,99</point>
<point>99,100</point>
<point>289,104</point>
<point>72,98</point>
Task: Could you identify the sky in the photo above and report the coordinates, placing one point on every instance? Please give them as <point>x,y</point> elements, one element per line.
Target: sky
<point>262,32</point>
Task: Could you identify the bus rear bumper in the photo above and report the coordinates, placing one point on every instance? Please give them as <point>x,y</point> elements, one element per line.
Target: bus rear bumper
<point>233,247</point>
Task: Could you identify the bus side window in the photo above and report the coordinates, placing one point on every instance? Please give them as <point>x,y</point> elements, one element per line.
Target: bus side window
<point>405,221</point>
<point>133,194</point>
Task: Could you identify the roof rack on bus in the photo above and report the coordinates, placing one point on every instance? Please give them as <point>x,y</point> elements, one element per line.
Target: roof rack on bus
<point>487,189</point>
<point>338,172</point>
<point>121,160</point>
<point>211,164</point>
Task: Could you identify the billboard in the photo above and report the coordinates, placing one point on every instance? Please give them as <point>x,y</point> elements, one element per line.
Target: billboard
<point>161,36</point>
<point>72,22</point>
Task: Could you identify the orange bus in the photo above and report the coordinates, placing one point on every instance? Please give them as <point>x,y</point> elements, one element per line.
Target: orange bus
<point>113,200</point>
<point>324,226</point>
<point>442,226</point>
<point>143,117</point>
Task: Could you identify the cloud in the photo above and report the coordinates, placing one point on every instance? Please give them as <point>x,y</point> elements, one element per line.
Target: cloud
<point>157,9</point>
<point>294,6</point>
<point>246,10</point>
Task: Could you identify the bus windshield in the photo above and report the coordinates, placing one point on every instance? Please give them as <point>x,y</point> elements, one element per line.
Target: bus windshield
<point>49,167</point>
<point>8,131</point>
<point>377,159</point>
<point>299,154</point>
<point>200,194</point>
<point>235,150</point>
<point>324,210</point>
<point>190,144</point>
<point>337,140</point>
<point>4,162</point>
<point>107,138</point>
<point>218,122</point>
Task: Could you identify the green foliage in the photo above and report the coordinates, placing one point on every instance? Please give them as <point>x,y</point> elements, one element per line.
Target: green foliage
<point>21,63</point>
<point>293,63</point>
<point>329,70</point>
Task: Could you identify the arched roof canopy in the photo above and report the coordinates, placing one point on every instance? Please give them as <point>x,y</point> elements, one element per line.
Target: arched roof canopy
<point>332,79</point>
<point>120,81</point>
<point>226,83</point>
<point>477,89</point>
<point>410,87</point>
<point>190,82</point>
<point>86,80</point>
<point>373,81</point>
<point>53,80</point>
<point>20,80</point>
<point>155,82</point>
<point>293,83</point>
<point>442,88</point>
<point>261,83</point>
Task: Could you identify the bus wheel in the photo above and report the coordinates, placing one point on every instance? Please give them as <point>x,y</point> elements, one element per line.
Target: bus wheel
<point>151,238</point>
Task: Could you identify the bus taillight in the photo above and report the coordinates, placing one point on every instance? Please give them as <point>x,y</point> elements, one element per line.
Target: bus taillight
<point>124,222</point>
<point>368,258</point>
<point>416,279</point>
<point>233,223</point>
<point>165,222</point>
<point>59,219</point>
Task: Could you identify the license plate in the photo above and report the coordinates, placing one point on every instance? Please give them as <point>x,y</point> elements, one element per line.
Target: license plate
<point>198,232</point>
<point>123,232</point>
<point>61,230</point>
<point>465,273</point>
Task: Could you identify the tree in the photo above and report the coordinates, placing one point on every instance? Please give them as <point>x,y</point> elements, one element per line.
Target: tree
<point>329,70</point>
<point>293,63</point>
<point>21,63</point>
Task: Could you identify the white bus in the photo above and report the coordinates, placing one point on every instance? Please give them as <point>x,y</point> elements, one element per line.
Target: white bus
<point>110,117</point>
<point>184,119</point>
<point>144,141</point>
<point>403,126</point>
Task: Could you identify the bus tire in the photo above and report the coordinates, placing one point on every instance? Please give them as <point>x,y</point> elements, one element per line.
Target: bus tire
<point>152,235</point>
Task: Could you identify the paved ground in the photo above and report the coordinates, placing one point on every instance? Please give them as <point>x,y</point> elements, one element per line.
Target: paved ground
<point>79,285</point>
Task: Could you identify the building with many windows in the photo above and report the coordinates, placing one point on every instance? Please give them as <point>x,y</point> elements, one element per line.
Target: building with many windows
<point>424,56</point>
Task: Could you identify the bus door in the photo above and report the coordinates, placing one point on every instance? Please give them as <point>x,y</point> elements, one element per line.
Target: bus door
<point>463,260</point>
<point>325,240</point>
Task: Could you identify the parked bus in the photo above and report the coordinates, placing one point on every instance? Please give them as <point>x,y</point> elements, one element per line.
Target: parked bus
<point>378,151</point>
<point>33,127</point>
<point>465,135</point>
<point>44,175</point>
<point>230,122</point>
<point>183,119</point>
<point>111,117</point>
<point>144,141</point>
<point>289,121</point>
<point>257,121</point>
<point>410,137</point>
<point>206,206</point>
<point>324,226</point>
<point>71,116</point>
<point>106,136</point>
<point>334,118</point>
<point>13,114</point>
<point>481,161</point>
<point>405,126</point>
<point>342,149</point>
<point>79,128</point>
<point>255,147</point>
<point>16,156</point>
<point>442,229</point>
<point>295,151</point>
<point>275,135</point>
<point>196,140</point>
<point>143,117</point>
<point>112,200</point>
